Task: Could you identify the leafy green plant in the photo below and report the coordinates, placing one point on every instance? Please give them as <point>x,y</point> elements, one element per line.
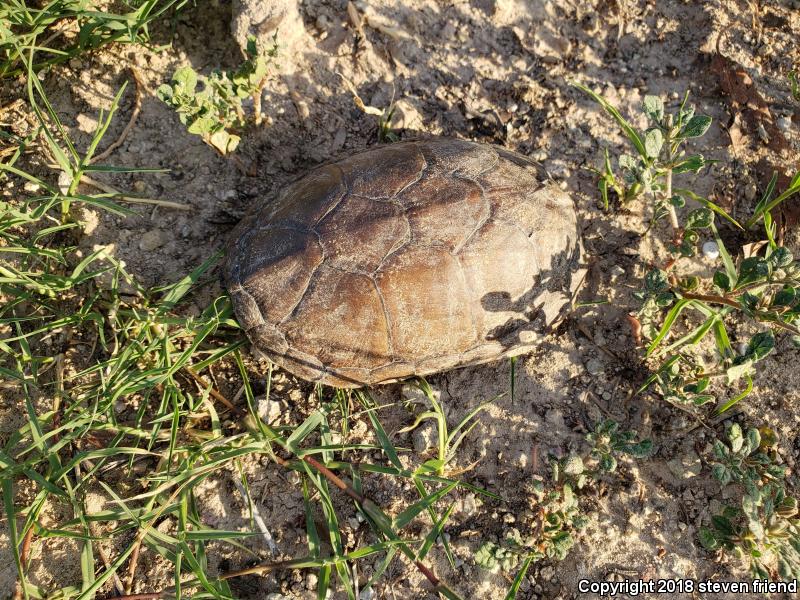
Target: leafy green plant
<point>215,110</point>
<point>659,155</point>
<point>608,441</point>
<point>556,504</point>
<point>764,528</point>
<point>762,287</point>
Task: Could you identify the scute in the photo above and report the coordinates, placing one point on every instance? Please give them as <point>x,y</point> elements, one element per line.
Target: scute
<point>383,172</point>
<point>404,260</point>
<point>431,204</point>
<point>417,326</point>
<point>277,258</point>
<point>375,228</point>
<point>336,305</point>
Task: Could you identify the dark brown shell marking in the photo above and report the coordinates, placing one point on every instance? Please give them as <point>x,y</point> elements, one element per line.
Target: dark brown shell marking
<point>404,260</point>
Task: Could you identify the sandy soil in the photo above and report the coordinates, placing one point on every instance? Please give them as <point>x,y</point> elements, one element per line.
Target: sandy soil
<point>495,71</point>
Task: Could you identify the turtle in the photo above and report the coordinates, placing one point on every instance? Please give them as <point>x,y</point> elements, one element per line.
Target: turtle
<point>403,261</point>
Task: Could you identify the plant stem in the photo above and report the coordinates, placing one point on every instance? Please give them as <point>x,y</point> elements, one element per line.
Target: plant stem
<point>711,298</point>
<point>765,316</point>
<point>673,215</point>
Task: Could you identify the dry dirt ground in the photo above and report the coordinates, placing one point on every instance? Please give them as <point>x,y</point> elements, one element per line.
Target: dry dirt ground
<point>494,71</point>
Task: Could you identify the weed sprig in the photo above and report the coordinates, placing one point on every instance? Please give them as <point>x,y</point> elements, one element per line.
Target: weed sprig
<point>764,527</point>
<point>216,110</point>
<point>763,287</point>
<point>556,503</point>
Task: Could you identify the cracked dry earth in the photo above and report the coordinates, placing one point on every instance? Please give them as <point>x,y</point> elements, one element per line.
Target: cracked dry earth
<point>371,244</point>
<point>492,71</point>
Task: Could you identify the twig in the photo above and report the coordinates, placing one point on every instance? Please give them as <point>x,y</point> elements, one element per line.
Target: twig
<point>23,559</point>
<point>131,199</point>
<point>262,526</point>
<point>134,560</point>
<point>711,298</point>
<point>213,392</point>
<point>733,303</point>
<point>137,107</point>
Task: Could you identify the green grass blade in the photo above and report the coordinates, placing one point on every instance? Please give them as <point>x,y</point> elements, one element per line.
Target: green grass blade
<point>512,592</point>
<point>627,128</point>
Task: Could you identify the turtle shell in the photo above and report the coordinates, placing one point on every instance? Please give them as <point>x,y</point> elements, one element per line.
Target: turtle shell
<point>404,260</point>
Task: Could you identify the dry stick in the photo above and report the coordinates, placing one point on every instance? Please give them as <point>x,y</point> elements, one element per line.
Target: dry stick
<point>131,199</point>
<point>729,302</point>
<point>23,559</point>
<point>137,108</point>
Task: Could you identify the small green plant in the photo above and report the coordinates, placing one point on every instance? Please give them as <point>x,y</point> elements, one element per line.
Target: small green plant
<point>659,154</point>
<point>608,441</point>
<point>764,287</point>
<point>764,528</point>
<point>556,504</point>
<point>447,441</point>
<point>385,116</point>
<point>215,111</point>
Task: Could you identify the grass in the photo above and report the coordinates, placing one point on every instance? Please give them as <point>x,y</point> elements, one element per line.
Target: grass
<point>60,30</point>
<point>129,396</point>
<point>82,342</point>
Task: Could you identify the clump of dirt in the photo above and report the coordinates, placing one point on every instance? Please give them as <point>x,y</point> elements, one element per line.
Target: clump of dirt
<point>495,71</point>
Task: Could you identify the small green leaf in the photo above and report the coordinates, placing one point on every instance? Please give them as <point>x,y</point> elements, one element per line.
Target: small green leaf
<point>608,463</point>
<point>735,437</point>
<point>723,525</point>
<point>696,126</point>
<point>653,107</point>
<point>761,344</point>
<point>708,539</point>
<point>677,201</point>
<point>691,164</point>
<point>653,141</point>
<point>699,218</point>
<point>781,257</point>
<point>722,281</point>
<point>627,162</point>
<point>573,465</point>
<point>721,474</point>
<point>753,439</point>
<point>656,281</point>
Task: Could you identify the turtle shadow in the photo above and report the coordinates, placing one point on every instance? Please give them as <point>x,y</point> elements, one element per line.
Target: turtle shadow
<point>537,309</point>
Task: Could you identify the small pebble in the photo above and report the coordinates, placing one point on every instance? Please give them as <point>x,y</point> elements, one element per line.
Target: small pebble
<point>150,240</point>
<point>711,250</point>
<point>270,410</point>
<point>594,366</point>
<point>750,191</point>
<point>784,123</point>
<point>424,436</point>
<point>64,181</point>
